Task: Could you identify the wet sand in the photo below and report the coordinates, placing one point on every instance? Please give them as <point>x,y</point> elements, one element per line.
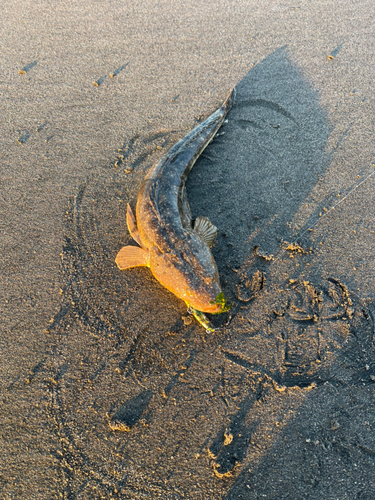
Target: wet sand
<point>108,390</point>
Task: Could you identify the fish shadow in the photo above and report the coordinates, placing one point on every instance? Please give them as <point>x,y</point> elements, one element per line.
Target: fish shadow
<point>256,173</point>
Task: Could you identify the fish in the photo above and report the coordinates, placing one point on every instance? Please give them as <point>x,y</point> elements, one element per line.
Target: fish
<point>178,251</point>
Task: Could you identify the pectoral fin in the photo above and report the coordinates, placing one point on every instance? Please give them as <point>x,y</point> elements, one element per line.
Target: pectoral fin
<point>130,220</point>
<point>206,230</point>
<point>132,257</point>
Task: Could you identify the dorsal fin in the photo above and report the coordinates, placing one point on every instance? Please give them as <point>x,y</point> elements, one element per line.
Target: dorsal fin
<point>132,257</point>
<point>206,230</point>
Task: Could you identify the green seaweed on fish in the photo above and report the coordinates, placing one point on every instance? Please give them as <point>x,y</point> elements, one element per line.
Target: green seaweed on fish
<point>221,301</point>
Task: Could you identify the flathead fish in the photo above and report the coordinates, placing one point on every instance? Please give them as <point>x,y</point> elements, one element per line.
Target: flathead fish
<point>176,250</point>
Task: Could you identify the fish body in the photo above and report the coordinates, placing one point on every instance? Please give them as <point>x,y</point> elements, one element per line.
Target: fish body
<point>177,253</point>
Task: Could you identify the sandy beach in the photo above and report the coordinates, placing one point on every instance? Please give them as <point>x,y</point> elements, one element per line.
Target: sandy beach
<point>109,389</point>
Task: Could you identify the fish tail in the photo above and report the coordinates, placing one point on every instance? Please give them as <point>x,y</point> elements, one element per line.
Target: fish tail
<point>228,103</point>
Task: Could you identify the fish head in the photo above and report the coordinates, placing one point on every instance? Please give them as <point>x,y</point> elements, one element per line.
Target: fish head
<point>191,276</point>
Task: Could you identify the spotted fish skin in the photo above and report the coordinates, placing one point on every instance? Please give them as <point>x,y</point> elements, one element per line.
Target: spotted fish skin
<point>178,255</point>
